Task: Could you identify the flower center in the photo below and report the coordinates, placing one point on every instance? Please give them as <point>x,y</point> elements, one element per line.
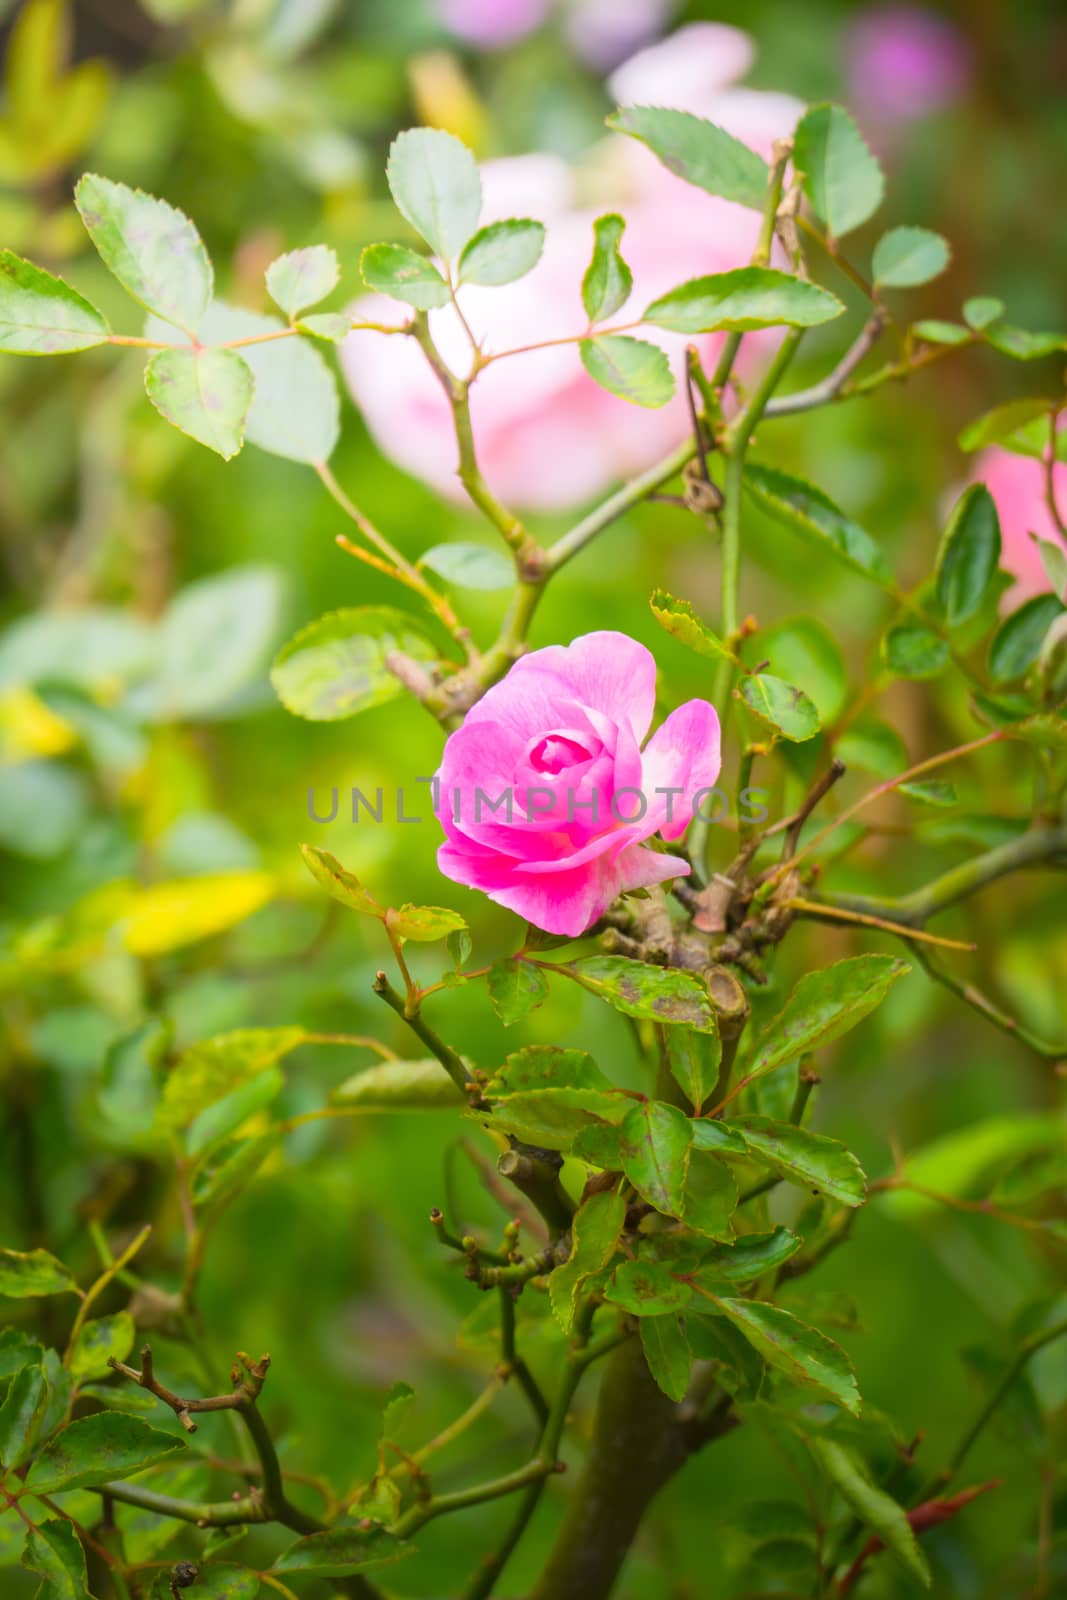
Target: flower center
<point>556,752</point>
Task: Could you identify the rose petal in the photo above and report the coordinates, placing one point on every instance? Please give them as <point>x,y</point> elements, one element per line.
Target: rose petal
<point>684,754</point>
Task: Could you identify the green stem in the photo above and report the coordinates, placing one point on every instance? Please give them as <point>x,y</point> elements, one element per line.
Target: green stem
<point>205,1513</point>
<point>514,1363</point>
<point>616,505</point>
<point>445,1054</point>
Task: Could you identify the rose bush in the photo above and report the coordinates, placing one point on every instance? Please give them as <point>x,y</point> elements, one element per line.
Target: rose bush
<point>545,794</point>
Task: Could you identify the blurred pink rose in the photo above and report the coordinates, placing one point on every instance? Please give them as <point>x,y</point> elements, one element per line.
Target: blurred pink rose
<point>548,437</point>
<point>492,24</point>
<point>904,62</point>
<point>546,796</point>
<point>603,31</point>
<point>1017,484</point>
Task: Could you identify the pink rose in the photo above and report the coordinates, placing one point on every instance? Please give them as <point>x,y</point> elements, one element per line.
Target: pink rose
<point>546,796</point>
<point>1017,484</point>
<point>904,62</point>
<point>492,24</point>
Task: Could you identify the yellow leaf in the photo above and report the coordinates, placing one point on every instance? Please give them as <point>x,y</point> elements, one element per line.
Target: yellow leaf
<point>170,915</point>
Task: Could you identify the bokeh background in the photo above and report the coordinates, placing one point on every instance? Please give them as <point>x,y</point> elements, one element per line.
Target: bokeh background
<point>269,121</point>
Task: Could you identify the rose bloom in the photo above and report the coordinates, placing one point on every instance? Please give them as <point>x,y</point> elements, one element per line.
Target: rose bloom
<point>903,63</point>
<point>548,437</point>
<point>1017,484</point>
<point>556,748</point>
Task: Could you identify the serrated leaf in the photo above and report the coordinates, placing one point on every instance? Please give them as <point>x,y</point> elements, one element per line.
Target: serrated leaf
<point>608,280</point>
<point>204,393</point>
<point>153,250</point>
<point>876,1509</point>
<point>301,278</point>
<point>906,257</point>
<point>655,1140</point>
<point>54,1552</point>
<point>21,1415</point>
<point>638,989</point>
<point>803,651</point>
<point>399,1086</point>
<point>502,252</point>
<point>694,1060</point>
<point>424,924</point>
<point>395,270</point>
<point>1017,643</point>
<point>800,1353</point>
<point>704,155</point>
<point>98,1341</point>
<point>787,709</point>
<point>554,1117</point>
<point>547,1066</point>
<point>515,989</point>
<point>340,1552</point>
<point>336,666</point>
<point>678,618</point>
<point>40,315</point>
<point>212,1069</point>
<point>911,650</point>
<point>747,1258</point>
<point>96,1449</point>
<point>26,1274</point>
<point>808,511</point>
<point>633,369</point>
<point>595,1234</point>
<point>338,881</point>
<point>646,1289</point>
<point>842,179</point>
<point>667,1352</point>
<point>808,1159</point>
<point>968,555</point>
<point>823,1006</point>
<point>469,565</point>
<point>710,1195</point>
<point>435,184</point>
<point>746,298</point>
<point>295,409</point>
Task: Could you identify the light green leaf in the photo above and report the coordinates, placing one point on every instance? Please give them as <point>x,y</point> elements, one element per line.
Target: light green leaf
<point>905,257</point>
<point>331,326</point>
<point>638,989</point>
<point>217,1122</point>
<point>469,565</point>
<point>153,250</point>
<point>803,651</point>
<point>633,369</point>
<point>801,1354</point>
<point>935,332</point>
<point>53,1551</point>
<point>710,1195</point>
<point>340,1552</point>
<point>434,181</point>
<point>647,1289</point>
<point>711,1134</point>
<point>876,1509</point>
<point>24,1275</point>
<point>338,881</point>
<point>547,1066</point>
<point>302,278</point>
<point>805,1158</point>
<point>981,310</point>
<point>515,989</point>
<point>932,793</point>
<point>338,665</point>
<point>204,393</point>
<point>608,280</point>
<point>698,151</point>
<point>395,270</point>
<point>998,426</point>
<point>424,924</point>
<point>968,555</point>
<point>502,251</point>
<point>41,315</point>
<point>399,1086</point>
<point>1053,559</point>
<point>1017,642</point>
<point>958,1163</point>
<point>667,1353</point>
<point>21,1415</point>
<point>215,644</point>
<point>595,1234</point>
<point>805,509</point>
<point>842,179</point>
<point>98,1342</point>
<point>655,1141</point>
<point>911,650</point>
<point>295,409</point>
<point>694,1060</point>
<point>748,297</point>
<point>823,1006</point>
<point>787,709</point>
<point>206,1072</point>
<point>96,1449</point>
<point>1022,345</point>
<point>678,618</point>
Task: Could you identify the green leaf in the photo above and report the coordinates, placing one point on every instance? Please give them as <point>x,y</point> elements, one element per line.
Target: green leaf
<point>424,924</point>
<point>219,1581</point>
<point>905,257</point>
<point>805,1158</point>
<point>337,666</point>
<point>340,1552</point>
<point>153,250</point>
<point>17,1350</point>
<point>295,409</point>
<point>958,1163</point>
<point>711,1134</point>
<point>872,747</point>
<point>546,1066</point>
<point>1054,561</point>
<point>802,651</point>
<point>638,989</point>
<point>553,1117</point>
<point>934,792</point>
<point>469,565</point>
<point>694,1060</point>
<point>399,1086</point>
<point>998,426</point>
<point>338,881</point>
<point>434,181</point>
<point>646,1289</point>
<point>842,179</point>
<point>678,618</point>
<point>935,332</point>
<point>968,556</point>
<point>911,650</point>
<point>595,1232</point>
<point>1048,731</point>
<point>204,393</point>
<point>395,270</point>
<point>502,251</point>
<point>215,644</point>
<point>633,369</point>
<point>824,1005</point>
<point>98,1342</point>
<point>787,709</point>
<point>698,151</point>
<point>1017,642</point>
<point>802,1354</point>
<point>96,1449</point>
<point>710,1195</point>
<point>667,1353</point>
<point>41,315</point>
<point>748,297</point>
<point>24,1275</point>
<point>515,989</point>
<point>805,509</point>
<point>332,326</point>
<point>655,1140</point>
<point>981,310</point>
<point>608,280</point>
<point>1022,345</point>
<point>747,1258</point>
<point>53,1551</point>
<point>302,278</point>
<point>875,1509</point>
<point>599,1145</point>
<point>21,1415</point>
<point>206,1072</point>
<point>217,1122</point>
